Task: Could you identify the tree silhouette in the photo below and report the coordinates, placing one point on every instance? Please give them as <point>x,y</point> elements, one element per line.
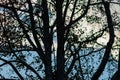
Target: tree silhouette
<point>60,38</point>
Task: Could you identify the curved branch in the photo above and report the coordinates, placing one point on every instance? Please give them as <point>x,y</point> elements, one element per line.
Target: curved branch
<point>109,44</point>
<point>14,68</point>
<point>24,63</point>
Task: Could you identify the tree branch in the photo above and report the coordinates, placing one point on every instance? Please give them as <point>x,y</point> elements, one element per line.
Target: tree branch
<point>14,68</point>
<point>77,19</point>
<point>101,67</point>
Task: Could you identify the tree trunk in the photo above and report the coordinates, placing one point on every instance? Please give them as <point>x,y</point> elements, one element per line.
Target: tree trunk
<point>47,40</point>
<point>48,71</point>
<point>60,41</point>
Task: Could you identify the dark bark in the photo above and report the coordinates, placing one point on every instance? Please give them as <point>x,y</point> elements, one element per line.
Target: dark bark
<point>47,40</point>
<point>109,44</point>
<point>60,41</point>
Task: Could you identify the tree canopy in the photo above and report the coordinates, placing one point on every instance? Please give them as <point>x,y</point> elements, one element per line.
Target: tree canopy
<point>60,39</point>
